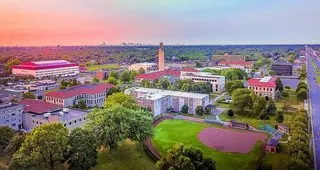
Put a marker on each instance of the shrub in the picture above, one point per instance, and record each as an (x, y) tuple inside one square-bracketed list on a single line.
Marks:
[(287, 87), (230, 113)]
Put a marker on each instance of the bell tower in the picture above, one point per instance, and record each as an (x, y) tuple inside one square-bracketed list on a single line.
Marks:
[(161, 57)]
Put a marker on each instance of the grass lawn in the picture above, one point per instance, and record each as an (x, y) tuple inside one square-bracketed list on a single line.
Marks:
[(127, 156), (278, 160), (105, 66), (170, 132)]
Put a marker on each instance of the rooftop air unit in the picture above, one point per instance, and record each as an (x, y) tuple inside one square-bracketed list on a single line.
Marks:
[(66, 110), (61, 113), (46, 115)]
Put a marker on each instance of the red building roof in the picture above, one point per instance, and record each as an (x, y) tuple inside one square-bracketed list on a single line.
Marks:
[(42, 65), (38, 106), (82, 89), (260, 83), (241, 63), (158, 74), (189, 69)]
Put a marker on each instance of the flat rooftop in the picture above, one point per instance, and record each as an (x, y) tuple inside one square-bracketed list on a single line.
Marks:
[(70, 115), (154, 94)]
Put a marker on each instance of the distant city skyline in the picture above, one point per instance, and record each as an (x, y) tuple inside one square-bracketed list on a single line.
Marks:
[(189, 22)]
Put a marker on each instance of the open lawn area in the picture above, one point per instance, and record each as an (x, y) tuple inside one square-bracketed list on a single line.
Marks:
[(277, 161), (105, 66), (170, 132), (127, 156)]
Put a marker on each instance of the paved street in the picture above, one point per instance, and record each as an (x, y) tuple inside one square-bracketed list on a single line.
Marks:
[(315, 106)]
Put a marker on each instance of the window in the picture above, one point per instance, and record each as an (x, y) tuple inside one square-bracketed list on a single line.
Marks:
[(75, 121), (13, 114), (37, 122), (84, 118), (80, 120), (69, 123), (32, 121), (64, 125), (14, 124), (40, 123)]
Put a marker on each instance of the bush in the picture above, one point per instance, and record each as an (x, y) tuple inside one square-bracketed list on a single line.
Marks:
[(280, 117), (184, 109), (302, 94), (230, 113), (285, 93), (287, 87)]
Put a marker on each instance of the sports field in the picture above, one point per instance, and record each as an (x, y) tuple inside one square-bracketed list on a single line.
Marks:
[(105, 66), (170, 132)]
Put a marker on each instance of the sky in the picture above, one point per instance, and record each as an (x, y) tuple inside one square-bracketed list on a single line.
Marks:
[(193, 22)]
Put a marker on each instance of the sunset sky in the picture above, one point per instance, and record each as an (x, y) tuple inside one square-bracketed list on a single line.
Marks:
[(91, 22)]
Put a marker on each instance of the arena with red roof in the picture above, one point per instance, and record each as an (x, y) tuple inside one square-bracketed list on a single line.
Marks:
[(265, 86), (158, 75), (92, 94), (46, 68)]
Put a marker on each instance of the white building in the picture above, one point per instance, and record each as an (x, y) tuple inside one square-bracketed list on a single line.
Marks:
[(147, 67), (217, 82), (41, 85), (161, 100), (92, 94), (37, 113), (11, 115), (42, 69)]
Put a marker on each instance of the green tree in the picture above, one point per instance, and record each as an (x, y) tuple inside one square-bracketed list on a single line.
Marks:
[(185, 109), (285, 93), (234, 74), (82, 104), (146, 83), (186, 87), (302, 94), (14, 144), (113, 74), (12, 62), (271, 108), (95, 80), (28, 95), (199, 110), (271, 73), (182, 158), (120, 98), (125, 76), (280, 117), (113, 90), (301, 85), (279, 85), (287, 87), (6, 134), (233, 85), (163, 83), (241, 99), (44, 148), (141, 71), (112, 80), (83, 150), (259, 104), (133, 75)]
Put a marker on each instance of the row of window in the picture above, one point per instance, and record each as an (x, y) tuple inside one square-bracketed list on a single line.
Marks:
[(260, 88), (74, 121)]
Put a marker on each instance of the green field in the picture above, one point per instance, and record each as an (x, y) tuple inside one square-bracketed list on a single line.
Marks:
[(127, 156), (105, 66), (278, 161), (170, 132)]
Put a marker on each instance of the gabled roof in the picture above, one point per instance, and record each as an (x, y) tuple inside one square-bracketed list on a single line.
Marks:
[(38, 106), (273, 142), (158, 74), (257, 82), (82, 89)]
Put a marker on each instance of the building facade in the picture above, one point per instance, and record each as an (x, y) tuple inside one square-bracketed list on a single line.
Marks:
[(11, 115), (92, 94), (101, 75), (43, 69), (147, 67), (217, 82), (41, 85), (37, 113), (228, 58), (171, 75), (282, 68), (160, 101), (265, 87), (234, 64)]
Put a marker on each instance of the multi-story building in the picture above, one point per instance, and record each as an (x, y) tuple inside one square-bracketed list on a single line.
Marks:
[(92, 94), (101, 75), (41, 85), (11, 115), (161, 100), (42, 69), (147, 67), (265, 86), (171, 75), (235, 64), (217, 82), (282, 68), (161, 57), (228, 58), (38, 112)]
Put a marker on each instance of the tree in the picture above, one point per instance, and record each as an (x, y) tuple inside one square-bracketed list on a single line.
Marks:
[(83, 150), (44, 148), (279, 85), (28, 95), (133, 75), (113, 90), (6, 134), (280, 117), (234, 74), (141, 71), (271, 73), (112, 80), (14, 144), (186, 87), (82, 104), (67, 57), (259, 104), (301, 85), (163, 83), (271, 108), (241, 99), (120, 98), (12, 62), (199, 110), (285, 93), (182, 158), (125, 76), (185, 109), (302, 94), (233, 85), (230, 113), (95, 80), (113, 74)]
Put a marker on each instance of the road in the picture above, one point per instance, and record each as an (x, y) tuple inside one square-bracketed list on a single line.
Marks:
[(314, 97)]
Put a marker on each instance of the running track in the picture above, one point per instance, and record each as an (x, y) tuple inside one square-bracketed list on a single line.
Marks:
[(314, 96)]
